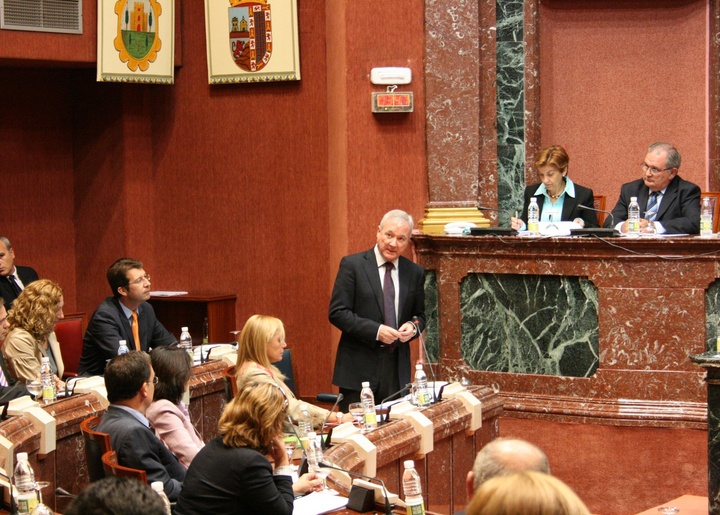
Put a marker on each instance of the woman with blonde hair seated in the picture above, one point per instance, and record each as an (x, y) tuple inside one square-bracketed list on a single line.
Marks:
[(262, 343), (529, 493), (32, 331), (245, 470)]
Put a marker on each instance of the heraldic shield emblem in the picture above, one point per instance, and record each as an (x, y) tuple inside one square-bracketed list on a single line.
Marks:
[(137, 39), (250, 27)]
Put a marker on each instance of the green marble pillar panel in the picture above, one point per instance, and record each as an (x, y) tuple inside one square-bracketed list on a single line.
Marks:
[(432, 335), (532, 324)]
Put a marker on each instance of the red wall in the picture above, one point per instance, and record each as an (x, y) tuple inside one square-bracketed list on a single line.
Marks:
[(216, 188)]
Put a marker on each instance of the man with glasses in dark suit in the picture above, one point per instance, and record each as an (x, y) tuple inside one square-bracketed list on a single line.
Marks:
[(125, 316), (668, 204)]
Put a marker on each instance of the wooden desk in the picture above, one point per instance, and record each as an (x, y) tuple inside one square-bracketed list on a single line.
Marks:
[(190, 310)]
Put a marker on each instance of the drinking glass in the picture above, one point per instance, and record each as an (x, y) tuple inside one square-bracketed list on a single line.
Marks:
[(464, 373), (668, 510), (322, 473), (34, 386), (41, 509), (290, 449), (356, 410)]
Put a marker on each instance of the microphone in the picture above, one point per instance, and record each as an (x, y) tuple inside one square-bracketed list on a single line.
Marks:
[(416, 322), (596, 231), (390, 397), (327, 397), (61, 492), (367, 478), (303, 468)]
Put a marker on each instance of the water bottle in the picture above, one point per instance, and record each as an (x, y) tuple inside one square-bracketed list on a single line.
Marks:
[(157, 486), (533, 216), (422, 395), (49, 394), (634, 216), (24, 478), (206, 332), (305, 427), (368, 401), (122, 348), (706, 218), (314, 450), (412, 488), (186, 341)]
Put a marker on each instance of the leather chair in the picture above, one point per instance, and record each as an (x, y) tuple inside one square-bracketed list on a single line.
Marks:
[(599, 203), (230, 383), (69, 332), (113, 468), (96, 444)]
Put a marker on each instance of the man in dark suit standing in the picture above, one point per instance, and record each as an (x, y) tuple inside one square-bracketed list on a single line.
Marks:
[(668, 204), (13, 279), (378, 302), (125, 316), (130, 382)]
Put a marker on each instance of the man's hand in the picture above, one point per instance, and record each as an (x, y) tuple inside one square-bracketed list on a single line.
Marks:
[(407, 331), (388, 335)]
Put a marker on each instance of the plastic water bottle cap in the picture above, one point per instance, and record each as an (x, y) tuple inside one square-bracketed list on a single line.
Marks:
[(312, 435), (21, 456), (409, 464), (184, 329), (418, 366), (157, 486), (366, 384), (45, 359)]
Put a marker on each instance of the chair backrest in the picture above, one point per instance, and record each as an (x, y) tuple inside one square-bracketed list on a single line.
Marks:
[(69, 332), (230, 383), (113, 468), (96, 444), (599, 203), (715, 202), (285, 366)]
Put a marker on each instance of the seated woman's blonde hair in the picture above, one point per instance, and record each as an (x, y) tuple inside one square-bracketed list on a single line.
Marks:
[(253, 342), (529, 493), (36, 307), (254, 417)]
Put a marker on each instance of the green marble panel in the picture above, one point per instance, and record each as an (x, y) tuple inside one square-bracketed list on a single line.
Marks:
[(712, 315), (432, 334), (532, 324)]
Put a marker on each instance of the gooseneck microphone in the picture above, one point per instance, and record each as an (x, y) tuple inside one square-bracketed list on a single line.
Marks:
[(367, 478), (596, 231), (416, 322), (612, 218), (386, 419), (327, 397)]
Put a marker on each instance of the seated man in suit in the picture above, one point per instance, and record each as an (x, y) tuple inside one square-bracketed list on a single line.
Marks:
[(501, 457), (130, 382), (668, 204), (13, 279), (9, 387), (125, 316)]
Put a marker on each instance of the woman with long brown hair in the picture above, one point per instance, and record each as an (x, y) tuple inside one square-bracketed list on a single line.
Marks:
[(245, 470)]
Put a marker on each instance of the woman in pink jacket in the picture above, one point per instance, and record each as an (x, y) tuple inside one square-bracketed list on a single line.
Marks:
[(168, 414)]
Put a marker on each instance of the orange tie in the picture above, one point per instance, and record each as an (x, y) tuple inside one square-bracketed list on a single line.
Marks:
[(135, 330)]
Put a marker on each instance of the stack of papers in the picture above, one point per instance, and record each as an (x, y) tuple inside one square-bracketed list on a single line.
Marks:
[(317, 503)]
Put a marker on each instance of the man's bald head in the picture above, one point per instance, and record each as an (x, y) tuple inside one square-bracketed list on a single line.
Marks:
[(505, 456)]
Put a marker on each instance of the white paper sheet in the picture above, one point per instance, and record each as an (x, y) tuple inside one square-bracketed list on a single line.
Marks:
[(317, 503)]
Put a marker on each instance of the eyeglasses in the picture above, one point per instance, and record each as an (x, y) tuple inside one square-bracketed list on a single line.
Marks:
[(651, 169), (140, 280), (154, 380)]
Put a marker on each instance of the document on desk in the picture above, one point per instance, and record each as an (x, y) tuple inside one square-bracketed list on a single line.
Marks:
[(317, 503), (161, 293)]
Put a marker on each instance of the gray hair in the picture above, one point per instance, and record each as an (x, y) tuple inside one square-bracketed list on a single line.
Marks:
[(504, 456), (397, 214), (673, 156), (6, 242)]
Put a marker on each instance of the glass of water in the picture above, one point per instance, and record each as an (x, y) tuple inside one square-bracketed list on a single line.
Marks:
[(356, 410), (34, 386)]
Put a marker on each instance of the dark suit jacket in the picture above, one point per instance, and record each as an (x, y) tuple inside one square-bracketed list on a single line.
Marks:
[(233, 480), (109, 325), (14, 389), (679, 210), (137, 447), (356, 308), (583, 196), (26, 274)]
